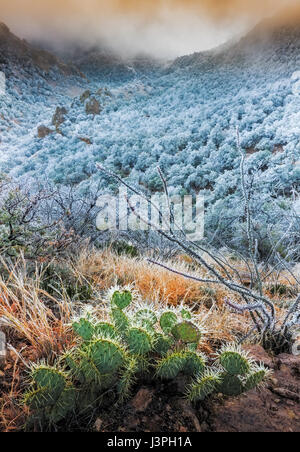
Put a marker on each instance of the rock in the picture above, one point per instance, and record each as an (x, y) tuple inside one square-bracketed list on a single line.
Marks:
[(258, 353), (188, 411), (291, 361), (44, 131), (103, 91), (85, 140), (2, 349), (142, 399), (92, 107), (59, 116), (85, 95), (98, 425), (286, 394), (273, 381)]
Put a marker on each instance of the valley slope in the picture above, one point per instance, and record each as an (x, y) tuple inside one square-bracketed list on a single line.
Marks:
[(181, 116)]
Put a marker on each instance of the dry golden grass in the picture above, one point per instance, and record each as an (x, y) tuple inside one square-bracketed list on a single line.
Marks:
[(154, 284), (33, 332), (25, 311)]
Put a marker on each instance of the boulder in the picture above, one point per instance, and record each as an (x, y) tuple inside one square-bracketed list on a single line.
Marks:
[(59, 116), (85, 95), (92, 107), (142, 400), (44, 131)]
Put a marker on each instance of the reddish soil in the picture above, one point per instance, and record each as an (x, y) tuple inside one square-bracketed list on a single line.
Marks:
[(158, 408), (275, 408)]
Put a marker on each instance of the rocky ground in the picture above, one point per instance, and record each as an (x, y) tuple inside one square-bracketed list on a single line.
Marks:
[(275, 408)]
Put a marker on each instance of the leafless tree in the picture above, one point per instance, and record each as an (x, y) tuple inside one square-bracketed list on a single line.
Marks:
[(216, 268)]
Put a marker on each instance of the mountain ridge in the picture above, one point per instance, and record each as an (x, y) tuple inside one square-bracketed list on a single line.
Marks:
[(20, 52)]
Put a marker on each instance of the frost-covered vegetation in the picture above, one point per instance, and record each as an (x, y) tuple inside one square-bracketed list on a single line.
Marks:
[(181, 117)]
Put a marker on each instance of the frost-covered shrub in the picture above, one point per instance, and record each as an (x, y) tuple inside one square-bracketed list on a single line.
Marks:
[(182, 118)]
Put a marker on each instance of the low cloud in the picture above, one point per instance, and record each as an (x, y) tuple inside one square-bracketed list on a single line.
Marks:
[(164, 28)]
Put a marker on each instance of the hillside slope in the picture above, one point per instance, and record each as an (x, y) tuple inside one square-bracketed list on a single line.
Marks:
[(182, 117), (18, 52)]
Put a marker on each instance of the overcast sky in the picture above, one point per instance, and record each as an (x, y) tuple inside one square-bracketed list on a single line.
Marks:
[(164, 28)]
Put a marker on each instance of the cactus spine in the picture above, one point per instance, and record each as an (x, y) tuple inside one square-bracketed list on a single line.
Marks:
[(51, 395), (167, 321), (204, 385), (240, 374), (139, 339), (186, 332)]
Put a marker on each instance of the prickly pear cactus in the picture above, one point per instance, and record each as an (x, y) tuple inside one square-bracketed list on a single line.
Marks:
[(240, 373), (231, 385), (110, 357), (146, 317), (51, 394), (167, 321), (163, 343), (127, 379), (205, 384), (106, 329), (234, 360), (170, 366), (84, 328), (121, 300), (120, 320), (186, 314), (256, 377), (106, 355), (139, 341), (186, 332), (194, 364), (50, 378)]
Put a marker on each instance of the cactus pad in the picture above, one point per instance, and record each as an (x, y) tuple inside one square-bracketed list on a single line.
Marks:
[(65, 404), (167, 321), (84, 329), (106, 355), (139, 341), (146, 316), (204, 385), (194, 363), (170, 366), (185, 314), (231, 385), (106, 329), (234, 363), (163, 343), (50, 378), (121, 299), (120, 320), (186, 332), (256, 377)]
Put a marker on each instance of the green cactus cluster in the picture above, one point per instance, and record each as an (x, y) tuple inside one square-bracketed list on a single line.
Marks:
[(52, 395), (239, 373), (110, 356)]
